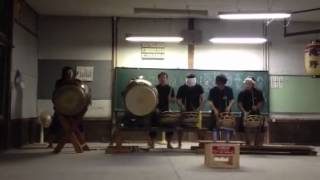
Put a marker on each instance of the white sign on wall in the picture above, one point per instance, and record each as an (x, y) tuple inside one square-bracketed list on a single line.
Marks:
[(152, 51), (277, 82), (85, 73)]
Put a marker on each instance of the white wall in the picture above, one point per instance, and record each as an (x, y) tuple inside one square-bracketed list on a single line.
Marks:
[(287, 53), (24, 59), (79, 38), (76, 38), (229, 57), (129, 53)]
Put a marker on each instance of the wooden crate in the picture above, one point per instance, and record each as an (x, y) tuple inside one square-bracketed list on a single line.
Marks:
[(222, 155)]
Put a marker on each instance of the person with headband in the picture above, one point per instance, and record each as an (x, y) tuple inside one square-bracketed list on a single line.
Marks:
[(250, 100), (220, 99), (190, 95)]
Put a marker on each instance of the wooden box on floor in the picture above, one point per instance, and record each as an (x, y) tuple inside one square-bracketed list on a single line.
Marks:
[(222, 155)]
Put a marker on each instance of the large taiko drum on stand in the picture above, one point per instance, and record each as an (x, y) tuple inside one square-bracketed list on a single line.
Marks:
[(71, 99), (140, 98)]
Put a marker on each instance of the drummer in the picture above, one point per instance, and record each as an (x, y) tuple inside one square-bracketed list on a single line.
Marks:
[(68, 77), (55, 128), (220, 99), (190, 95), (250, 100), (165, 96)]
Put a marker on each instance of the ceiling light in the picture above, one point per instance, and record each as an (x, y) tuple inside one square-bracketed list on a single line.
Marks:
[(169, 39), (159, 11), (256, 40), (253, 16)]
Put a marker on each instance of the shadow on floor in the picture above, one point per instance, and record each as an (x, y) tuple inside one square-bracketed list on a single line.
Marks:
[(19, 156)]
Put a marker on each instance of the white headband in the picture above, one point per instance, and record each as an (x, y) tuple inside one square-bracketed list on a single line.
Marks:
[(249, 79)]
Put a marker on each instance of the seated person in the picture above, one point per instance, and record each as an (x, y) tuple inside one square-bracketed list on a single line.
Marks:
[(165, 95)]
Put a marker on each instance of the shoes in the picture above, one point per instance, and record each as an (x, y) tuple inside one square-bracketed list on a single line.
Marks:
[(85, 147), (151, 144), (169, 146), (50, 146)]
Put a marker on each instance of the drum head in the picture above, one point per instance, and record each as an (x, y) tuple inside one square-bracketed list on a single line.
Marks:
[(69, 100), (141, 100)]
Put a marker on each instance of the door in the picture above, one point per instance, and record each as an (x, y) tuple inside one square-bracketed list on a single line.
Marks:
[(5, 59)]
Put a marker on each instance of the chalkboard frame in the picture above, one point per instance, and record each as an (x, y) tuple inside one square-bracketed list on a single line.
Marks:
[(117, 91)]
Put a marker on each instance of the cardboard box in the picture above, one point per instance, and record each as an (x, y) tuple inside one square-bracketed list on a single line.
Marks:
[(222, 155)]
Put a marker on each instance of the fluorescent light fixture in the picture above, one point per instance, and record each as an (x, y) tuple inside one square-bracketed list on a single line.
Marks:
[(253, 16), (169, 39), (256, 40)]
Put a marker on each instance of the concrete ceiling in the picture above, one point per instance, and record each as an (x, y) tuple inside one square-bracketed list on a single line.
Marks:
[(125, 8)]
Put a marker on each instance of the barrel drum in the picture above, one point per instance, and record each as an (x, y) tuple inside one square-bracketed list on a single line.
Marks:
[(253, 121), (226, 120)]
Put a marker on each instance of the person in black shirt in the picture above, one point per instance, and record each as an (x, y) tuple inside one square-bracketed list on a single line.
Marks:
[(190, 95), (250, 100), (165, 96), (220, 99), (165, 92)]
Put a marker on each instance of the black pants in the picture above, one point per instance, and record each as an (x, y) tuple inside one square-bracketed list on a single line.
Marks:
[(241, 127), (155, 123), (212, 124)]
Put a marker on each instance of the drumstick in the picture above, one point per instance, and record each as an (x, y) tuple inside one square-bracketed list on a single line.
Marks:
[(252, 98), (226, 103), (169, 98)]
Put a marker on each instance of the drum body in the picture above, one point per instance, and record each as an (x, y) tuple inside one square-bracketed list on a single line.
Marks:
[(191, 119), (140, 98), (71, 99), (169, 118), (253, 121), (226, 120)]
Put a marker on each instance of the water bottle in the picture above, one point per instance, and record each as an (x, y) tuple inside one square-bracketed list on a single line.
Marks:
[(214, 135)]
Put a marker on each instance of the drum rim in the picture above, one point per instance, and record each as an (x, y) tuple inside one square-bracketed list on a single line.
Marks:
[(135, 83)]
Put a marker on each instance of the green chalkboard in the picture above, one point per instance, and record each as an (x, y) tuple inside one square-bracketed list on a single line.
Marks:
[(205, 78), (297, 94)]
